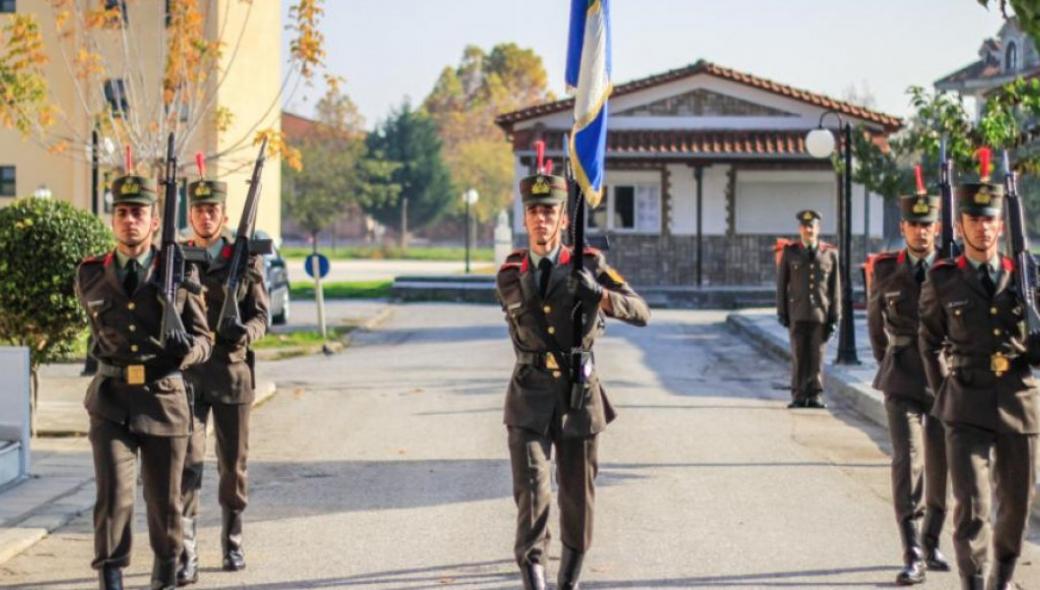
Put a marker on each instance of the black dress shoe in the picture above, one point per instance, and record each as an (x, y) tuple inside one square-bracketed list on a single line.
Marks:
[(188, 573), (234, 561), (570, 569), (533, 575), (815, 402), (912, 574), (936, 561), (110, 578), (798, 403)]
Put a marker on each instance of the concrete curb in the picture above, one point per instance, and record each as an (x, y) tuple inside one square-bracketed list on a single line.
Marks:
[(861, 398), (25, 531)]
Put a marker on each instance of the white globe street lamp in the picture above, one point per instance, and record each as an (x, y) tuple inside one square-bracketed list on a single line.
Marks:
[(820, 143)]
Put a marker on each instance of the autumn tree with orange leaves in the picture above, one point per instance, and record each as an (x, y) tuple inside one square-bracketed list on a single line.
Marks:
[(99, 41)]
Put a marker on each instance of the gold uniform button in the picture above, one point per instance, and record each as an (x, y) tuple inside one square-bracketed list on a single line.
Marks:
[(547, 309), (133, 328), (993, 311), (552, 330), (556, 374), (957, 312), (95, 314), (130, 306), (133, 348), (996, 331)]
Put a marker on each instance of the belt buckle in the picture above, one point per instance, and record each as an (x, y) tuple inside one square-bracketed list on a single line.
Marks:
[(550, 362), (135, 375), (999, 364)]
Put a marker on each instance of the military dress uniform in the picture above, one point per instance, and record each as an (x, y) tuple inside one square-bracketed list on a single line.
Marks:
[(808, 300), (537, 296), (986, 397), (224, 388), (137, 402), (918, 440)]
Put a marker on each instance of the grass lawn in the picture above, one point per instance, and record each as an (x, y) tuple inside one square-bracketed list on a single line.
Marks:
[(303, 339), (433, 253), (342, 290)]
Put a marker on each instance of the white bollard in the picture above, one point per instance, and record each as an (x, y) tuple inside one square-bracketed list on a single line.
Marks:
[(503, 238)]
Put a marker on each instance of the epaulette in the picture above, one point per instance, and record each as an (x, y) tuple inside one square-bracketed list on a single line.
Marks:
[(944, 262), (824, 247), (1007, 263), (886, 256), (514, 260), (590, 251), (98, 259)]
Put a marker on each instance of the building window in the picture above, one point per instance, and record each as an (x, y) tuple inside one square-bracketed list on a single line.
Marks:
[(1011, 58), (119, 5), (115, 94), (8, 6), (8, 187), (631, 208)]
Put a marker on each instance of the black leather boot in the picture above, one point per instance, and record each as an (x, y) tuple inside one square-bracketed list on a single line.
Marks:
[(110, 578), (231, 541), (164, 574), (533, 575), (570, 568), (972, 582), (1003, 572), (188, 566), (913, 557), (933, 558)]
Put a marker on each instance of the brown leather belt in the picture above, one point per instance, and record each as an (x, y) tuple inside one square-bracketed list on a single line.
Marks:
[(136, 374), (997, 363)]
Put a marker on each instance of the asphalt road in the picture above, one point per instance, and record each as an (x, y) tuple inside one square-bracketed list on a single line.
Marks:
[(382, 270), (386, 467)]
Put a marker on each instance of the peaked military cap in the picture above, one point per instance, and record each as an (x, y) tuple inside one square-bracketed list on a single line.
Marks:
[(543, 189), (808, 217), (919, 208), (132, 189), (202, 192), (983, 199)]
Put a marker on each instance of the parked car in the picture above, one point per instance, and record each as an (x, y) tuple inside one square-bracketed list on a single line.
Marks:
[(276, 279)]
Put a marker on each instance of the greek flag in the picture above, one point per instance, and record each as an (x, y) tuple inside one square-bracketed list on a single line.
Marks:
[(588, 77)]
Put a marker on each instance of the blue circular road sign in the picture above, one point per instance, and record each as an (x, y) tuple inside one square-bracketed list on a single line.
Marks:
[(322, 263)]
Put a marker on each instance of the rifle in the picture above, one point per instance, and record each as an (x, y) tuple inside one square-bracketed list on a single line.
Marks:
[(947, 246), (171, 255), (244, 244), (580, 358), (1026, 277)]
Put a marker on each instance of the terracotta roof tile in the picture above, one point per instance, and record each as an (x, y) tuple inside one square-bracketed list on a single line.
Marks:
[(692, 142), (891, 123)]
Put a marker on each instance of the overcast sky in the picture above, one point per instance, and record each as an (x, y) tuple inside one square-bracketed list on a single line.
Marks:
[(388, 50)]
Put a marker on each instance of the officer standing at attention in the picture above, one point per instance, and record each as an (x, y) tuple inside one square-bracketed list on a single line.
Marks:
[(973, 343), (137, 402), (808, 298), (537, 294), (224, 385), (918, 440)]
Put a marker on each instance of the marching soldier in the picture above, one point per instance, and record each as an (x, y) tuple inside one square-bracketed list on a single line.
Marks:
[(808, 298), (537, 294), (224, 385), (137, 402), (918, 440), (986, 394)]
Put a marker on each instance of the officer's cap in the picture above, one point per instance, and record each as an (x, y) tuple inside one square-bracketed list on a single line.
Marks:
[(202, 192), (132, 189), (808, 217), (919, 208), (543, 189), (980, 199)]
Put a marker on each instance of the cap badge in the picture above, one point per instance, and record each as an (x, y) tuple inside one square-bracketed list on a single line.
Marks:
[(921, 207), (540, 187)]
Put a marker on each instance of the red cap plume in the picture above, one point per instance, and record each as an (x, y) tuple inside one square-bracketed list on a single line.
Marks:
[(549, 167), (128, 160), (539, 148), (921, 190), (984, 157), (200, 163)]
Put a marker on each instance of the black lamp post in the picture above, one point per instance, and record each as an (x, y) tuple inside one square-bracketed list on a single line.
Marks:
[(820, 143)]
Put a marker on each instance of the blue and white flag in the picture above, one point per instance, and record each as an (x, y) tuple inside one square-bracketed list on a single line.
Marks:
[(588, 76)]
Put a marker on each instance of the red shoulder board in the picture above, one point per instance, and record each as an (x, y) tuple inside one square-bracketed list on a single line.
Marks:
[(886, 255), (962, 261), (225, 252), (516, 259), (93, 259), (824, 246), (1008, 264), (565, 256), (939, 262), (508, 265), (778, 248), (901, 258), (590, 251)]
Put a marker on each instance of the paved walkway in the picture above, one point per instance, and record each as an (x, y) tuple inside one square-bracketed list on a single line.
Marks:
[(384, 270)]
